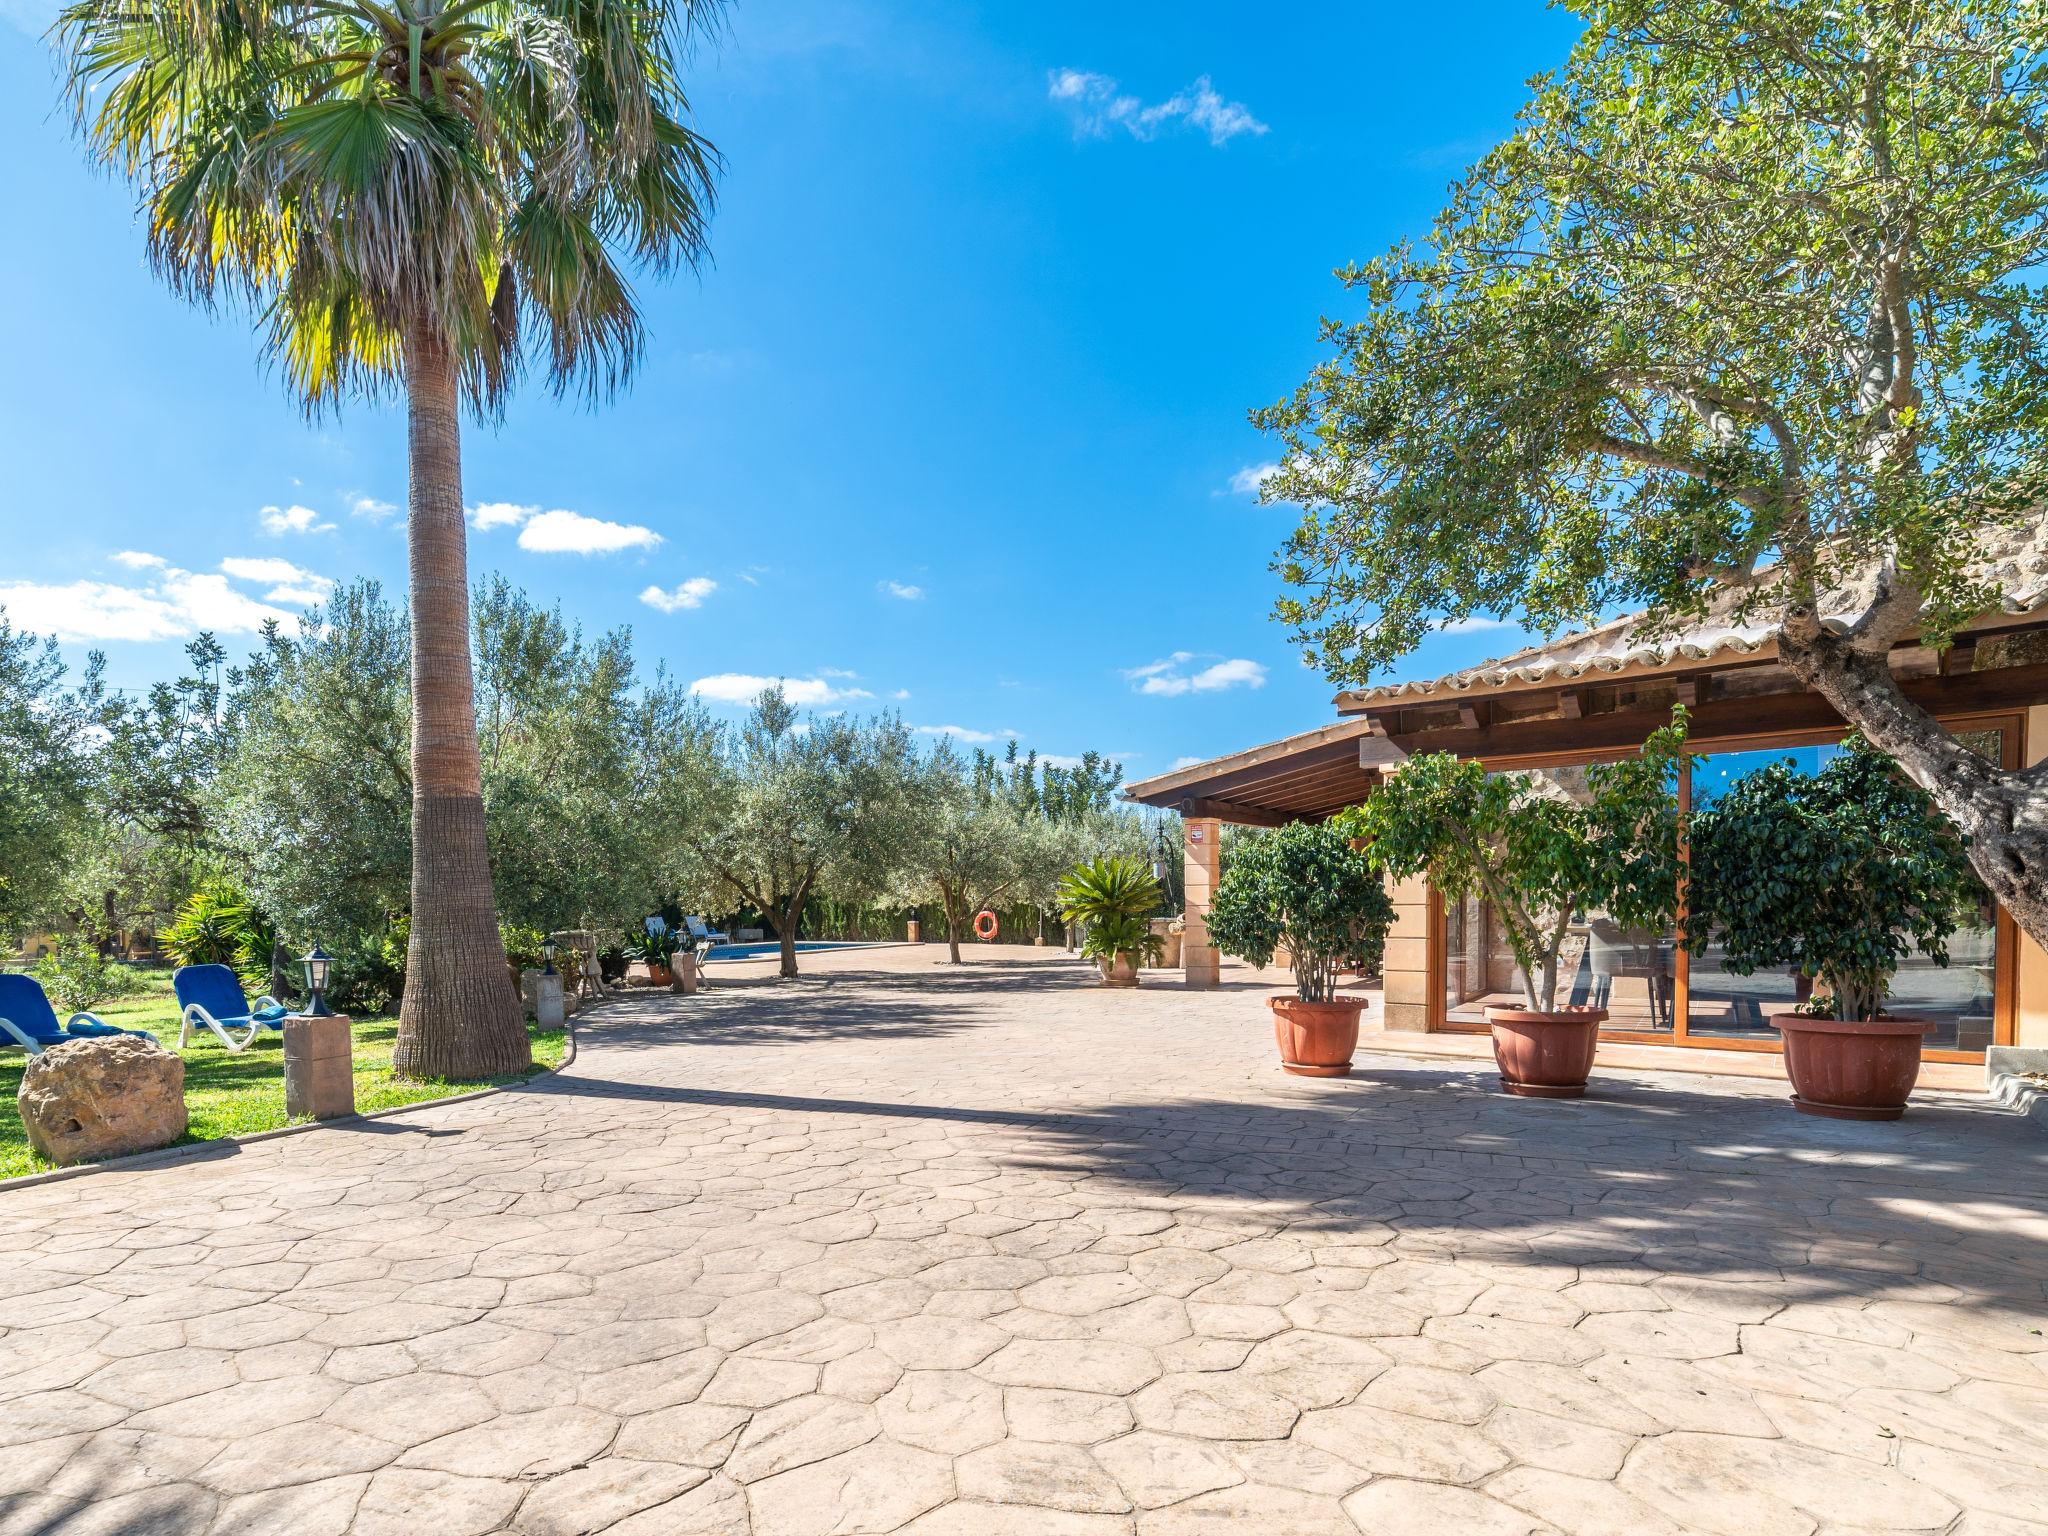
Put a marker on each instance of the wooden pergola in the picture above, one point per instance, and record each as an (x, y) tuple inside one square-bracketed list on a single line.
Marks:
[(1599, 693)]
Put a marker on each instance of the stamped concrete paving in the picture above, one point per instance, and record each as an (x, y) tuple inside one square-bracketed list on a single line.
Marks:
[(991, 1251)]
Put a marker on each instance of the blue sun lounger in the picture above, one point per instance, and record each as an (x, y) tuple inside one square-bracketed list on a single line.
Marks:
[(702, 938), (211, 997), (28, 1020)]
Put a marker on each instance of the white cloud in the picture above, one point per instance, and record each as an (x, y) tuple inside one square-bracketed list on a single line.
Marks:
[(1059, 760), (560, 532), (1249, 480), (288, 583), (279, 521), (1172, 677), (91, 610), (745, 687), (690, 594), (571, 533), (176, 604), (965, 733), (1184, 762), (369, 506), (136, 560), (900, 694), (499, 514), (1478, 623), (908, 593), (1097, 106), (272, 570)]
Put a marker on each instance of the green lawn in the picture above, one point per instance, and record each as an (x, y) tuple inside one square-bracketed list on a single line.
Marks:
[(233, 1095)]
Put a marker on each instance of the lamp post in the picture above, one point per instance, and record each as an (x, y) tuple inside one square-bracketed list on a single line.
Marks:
[(548, 946), (317, 963)]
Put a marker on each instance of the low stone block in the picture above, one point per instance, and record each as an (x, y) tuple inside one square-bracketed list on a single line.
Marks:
[(319, 1067), (91, 1099)]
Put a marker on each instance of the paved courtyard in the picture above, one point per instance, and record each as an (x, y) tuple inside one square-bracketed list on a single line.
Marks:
[(990, 1251)]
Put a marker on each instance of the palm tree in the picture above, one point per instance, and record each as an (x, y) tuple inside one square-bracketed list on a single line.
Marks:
[(402, 193)]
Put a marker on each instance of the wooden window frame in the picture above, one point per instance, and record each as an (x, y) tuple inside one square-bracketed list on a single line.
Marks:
[(2005, 943)]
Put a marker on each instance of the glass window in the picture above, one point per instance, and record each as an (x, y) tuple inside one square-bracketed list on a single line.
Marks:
[(1633, 975), (1957, 998)]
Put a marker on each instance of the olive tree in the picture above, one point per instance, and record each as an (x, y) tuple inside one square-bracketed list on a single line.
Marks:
[(973, 847), (1748, 308), (46, 774), (788, 807), (1538, 858)]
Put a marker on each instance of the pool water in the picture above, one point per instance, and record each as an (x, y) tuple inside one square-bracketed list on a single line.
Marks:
[(756, 951)]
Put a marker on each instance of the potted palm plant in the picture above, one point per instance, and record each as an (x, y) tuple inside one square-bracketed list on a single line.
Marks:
[(1305, 889), (655, 949), (1838, 875), (1541, 859), (1113, 897)]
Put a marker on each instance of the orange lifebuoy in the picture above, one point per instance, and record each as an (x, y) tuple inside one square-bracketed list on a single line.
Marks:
[(984, 924)]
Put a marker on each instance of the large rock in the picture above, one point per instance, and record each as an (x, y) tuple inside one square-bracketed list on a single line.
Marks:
[(90, 1099)]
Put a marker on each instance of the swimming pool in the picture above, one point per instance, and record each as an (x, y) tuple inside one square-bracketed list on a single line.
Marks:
[(804, 946)]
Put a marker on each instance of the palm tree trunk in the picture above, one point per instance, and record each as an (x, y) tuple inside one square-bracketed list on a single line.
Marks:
[(459, 1018)]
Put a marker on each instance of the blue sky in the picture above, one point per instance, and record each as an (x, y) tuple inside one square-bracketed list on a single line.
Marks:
[(953, 423)]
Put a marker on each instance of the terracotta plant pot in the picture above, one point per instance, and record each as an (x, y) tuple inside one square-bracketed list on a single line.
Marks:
[(1120, 972), (660, 976), (1861, 1070), (1545, 1055), (1316, 1039)]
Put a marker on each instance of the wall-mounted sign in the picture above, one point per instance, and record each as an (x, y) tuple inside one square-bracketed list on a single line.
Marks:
[(1196, 834)]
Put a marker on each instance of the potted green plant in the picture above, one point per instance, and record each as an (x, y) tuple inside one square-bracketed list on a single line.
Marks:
[(656, 951), (1541, 858), (1838, 875), (1113, 897), (1304, 888)]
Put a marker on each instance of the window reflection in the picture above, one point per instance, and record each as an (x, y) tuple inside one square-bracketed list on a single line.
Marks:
[(1956, 998), (1630, 973)]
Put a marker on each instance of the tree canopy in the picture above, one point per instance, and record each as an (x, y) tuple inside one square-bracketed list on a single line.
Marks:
[(46, 773), (1540, 857), (1749, 302)]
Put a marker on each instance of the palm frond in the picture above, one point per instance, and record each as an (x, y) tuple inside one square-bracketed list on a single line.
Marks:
[(351, 168)]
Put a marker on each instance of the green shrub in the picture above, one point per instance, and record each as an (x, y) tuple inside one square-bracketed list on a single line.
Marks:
[(522, 945), (369, 970), (655, 950), (1839, 875), (78, 977), (1304, 887), (218, 926), (1122, 934)]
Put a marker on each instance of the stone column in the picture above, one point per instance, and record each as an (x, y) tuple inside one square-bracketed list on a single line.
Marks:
[(1204, 845), (319, 1067), (1405, 973)]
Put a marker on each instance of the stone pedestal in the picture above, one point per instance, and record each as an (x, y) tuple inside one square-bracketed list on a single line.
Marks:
[(547, 1001), (912, 931), (319, 1067), (686, 980)]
